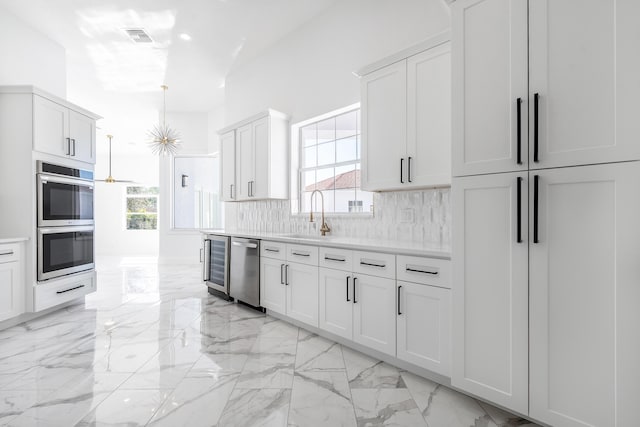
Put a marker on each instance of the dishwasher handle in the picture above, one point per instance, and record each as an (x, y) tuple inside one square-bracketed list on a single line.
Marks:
[(245, 245)]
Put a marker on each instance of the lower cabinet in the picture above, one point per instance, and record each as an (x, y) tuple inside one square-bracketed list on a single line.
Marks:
[(272, 288), (424, 326), (336, 303), (11, 281), (374, 315)]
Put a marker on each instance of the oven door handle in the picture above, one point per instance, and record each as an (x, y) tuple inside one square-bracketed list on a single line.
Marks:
[(43, 178), (58, 230)]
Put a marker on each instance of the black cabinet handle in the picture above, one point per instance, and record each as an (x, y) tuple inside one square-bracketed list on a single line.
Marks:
[(70, 289), (281, 274), (519, 128), (74, 147), (372, 264), (519, 210), (286, 275), (299, 254), (272, 250), (402, 171), (348, 277), (68, 146), (409, 169), (535, 208), (399, 312), (536, 101), (328, 258), (354, 290)]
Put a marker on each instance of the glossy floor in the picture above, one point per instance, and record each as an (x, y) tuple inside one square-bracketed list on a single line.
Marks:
[(153, 348)]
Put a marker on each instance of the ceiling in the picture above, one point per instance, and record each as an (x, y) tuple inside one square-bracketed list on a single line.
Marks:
[(108, 73)]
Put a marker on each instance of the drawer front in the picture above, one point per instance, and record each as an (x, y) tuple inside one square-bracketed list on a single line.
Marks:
[(426, 271), (9, 252), (338, 259), (302, 254), (51, 294), (374, 264), (274, 250)]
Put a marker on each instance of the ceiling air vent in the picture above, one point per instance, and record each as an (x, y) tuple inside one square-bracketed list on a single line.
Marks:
[(138, 35)]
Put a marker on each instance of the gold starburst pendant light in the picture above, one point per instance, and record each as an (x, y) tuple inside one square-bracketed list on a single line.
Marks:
[(163, 139)]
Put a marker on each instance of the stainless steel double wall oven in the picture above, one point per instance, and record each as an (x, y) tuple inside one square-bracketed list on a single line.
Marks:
[(65, 220)]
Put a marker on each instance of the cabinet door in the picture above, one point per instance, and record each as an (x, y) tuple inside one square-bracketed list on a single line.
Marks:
[(489, 63), (82, 131), (11, 290), (245, 162), (302, 293), (429, 117), (584, 65), (424, 329), (336, 302), (50, 127), (260, 186), (384, 127), (228, 166), (374, 313), (490, 289), (584, 287), (272, 287)]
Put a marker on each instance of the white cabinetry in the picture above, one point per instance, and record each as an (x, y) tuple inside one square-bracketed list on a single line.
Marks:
[(406, 120), (61, 131), (302, 292), (272, 288), (336, 306), (12, 285), (374, 316), (259, 168)]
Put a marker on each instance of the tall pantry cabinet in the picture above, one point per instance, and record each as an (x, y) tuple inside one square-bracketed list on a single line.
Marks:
[(546, 201)]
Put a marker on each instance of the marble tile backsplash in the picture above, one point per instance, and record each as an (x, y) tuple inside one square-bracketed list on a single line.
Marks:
[(412, 216)]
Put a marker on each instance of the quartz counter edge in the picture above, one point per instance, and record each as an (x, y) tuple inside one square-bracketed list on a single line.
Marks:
[(387, 246), (13, 239)]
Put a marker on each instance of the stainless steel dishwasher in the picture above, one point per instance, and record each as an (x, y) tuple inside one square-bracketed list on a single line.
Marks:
[(245, 271)]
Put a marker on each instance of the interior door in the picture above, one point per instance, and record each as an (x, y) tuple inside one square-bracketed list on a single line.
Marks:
[(374, 315), (245, 161), (490, 288), (228, 187), (584, 294), (336, 302), (82, 131), (584, 68), (489, 64)]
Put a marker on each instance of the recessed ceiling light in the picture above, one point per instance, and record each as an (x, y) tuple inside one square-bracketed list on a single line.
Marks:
[(185, 36)]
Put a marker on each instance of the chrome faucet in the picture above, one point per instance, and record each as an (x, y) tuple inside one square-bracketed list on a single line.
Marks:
[(324, 229)]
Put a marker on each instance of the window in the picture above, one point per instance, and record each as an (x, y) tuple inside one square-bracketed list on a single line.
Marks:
[(330, 162), (142, 208)]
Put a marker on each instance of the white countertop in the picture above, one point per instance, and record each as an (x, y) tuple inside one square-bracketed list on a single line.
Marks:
[(375, 245), (13, 239)]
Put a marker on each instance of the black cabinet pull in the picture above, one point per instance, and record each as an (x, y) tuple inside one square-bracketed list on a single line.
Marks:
[(286, 275), (354, 290), (409, 169), (399, 312), (535, 208), (328, 258), (372, 264), (348, 277), (74, 147), (272, 250), (299, 254), (70, 289), (68, 146), (519, 129), (536, 100), (402, 171), (519, 210), (281, 274)]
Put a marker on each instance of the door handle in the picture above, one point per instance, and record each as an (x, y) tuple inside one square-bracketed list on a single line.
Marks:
[(286, 275), (74, 147), (519, 128), (401, 171), (282, 274), (399, 312), (68, 146), (519, 210), (535, 208), (348, 277), (354, 290), (409, 169), (536, 101)]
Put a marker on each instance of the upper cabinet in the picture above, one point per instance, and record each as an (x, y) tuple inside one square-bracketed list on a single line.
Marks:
[(62, 131), (255, 156), (544, 84), (406, 119)]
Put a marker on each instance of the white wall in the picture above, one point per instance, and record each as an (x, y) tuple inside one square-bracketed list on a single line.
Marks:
[(309, 72), (30, 58), (179, 246)]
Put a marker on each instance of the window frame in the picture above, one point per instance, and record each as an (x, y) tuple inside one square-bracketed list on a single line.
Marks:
[(128, 196), (297, 170)]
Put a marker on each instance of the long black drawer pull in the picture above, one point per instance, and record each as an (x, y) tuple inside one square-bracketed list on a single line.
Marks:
[(348, 277), (519, 128), (298, 254), (399, 312), (402, 171), (519, 210), (69, 290), (328, 258), (7, 252), (272, 250), (536, 101), (414, 270), (354, 290), (535, 208), (372, 265)]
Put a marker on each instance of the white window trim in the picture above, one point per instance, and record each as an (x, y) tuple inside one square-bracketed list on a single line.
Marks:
[(296, 174)]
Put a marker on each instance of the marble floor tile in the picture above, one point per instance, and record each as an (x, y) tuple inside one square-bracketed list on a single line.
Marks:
[(256, 408), (321, 398), (14, 403), (276, 328), (366, 372), (126, 407), (267, 371), (386, 407), (213, 364), (315, 353)]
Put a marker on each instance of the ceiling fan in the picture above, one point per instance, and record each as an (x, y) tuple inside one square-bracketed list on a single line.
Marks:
[(110, 179)]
